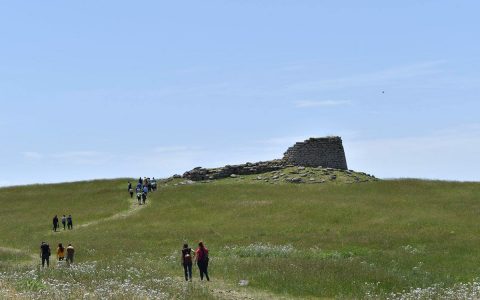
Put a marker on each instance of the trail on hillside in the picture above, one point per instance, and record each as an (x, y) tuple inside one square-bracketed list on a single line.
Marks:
[(11, 250), (16, 251), (134, 208), (223, 290)]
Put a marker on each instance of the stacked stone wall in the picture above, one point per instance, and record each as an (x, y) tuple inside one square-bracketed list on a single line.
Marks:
[(227, 171), (326, 152)]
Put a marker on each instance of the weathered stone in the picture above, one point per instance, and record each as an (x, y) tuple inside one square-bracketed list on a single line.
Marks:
[(296, 180)]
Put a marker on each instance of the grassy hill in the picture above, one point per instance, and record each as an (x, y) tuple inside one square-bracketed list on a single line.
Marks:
[(331, 238)]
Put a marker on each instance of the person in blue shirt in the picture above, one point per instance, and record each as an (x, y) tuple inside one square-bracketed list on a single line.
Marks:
[(144, 195)]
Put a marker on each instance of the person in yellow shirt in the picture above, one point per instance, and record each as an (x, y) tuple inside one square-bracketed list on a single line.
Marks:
[(60, 252)]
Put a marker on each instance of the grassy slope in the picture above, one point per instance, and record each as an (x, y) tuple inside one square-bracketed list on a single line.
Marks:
[(301, 240)]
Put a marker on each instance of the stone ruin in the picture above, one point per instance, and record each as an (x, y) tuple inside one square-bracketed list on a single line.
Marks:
[(326, 152)]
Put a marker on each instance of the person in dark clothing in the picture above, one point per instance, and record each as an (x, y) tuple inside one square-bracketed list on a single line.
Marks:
[(45, 254), (149, 185), (154, 184), (129, 186), (69, 222), (187, 261), (70, 253), (201, 257), (64, 221), (131, 192), (55, 223), (139, 196)]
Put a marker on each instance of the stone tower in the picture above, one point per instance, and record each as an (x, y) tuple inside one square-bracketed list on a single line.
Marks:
[(326, 152)]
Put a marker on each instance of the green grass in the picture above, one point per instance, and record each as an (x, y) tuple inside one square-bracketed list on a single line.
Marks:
[(330, 239)]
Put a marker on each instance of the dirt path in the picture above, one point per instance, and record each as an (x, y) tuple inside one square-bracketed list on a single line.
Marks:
[(222, 290), (16, 251), (133, 208)]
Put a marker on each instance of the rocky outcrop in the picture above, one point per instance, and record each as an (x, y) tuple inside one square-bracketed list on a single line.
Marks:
[(231, 171)]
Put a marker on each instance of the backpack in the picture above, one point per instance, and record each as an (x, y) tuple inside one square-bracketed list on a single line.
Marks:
[(204, 255), (187, 256)]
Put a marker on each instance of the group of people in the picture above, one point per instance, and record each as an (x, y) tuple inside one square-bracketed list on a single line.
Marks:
[(45, 253), (201, 259), (66, 221), (144, 186)]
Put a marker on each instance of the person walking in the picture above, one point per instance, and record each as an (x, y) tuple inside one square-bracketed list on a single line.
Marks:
[(45, 254), (131, 192), (201, 257), (129, 186), (144, 194), (69, 222), (145, 189), (70, 253), (139, 196), (55, 223), (60, 252), (64, 221), (187, 261)]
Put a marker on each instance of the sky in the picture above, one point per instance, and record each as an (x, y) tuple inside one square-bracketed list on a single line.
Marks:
[(108, 89)]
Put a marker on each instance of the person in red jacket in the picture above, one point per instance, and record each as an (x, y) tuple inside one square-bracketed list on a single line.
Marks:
[(201, 257)]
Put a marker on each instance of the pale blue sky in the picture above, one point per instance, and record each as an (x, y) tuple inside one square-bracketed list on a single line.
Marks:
[(104, 89)]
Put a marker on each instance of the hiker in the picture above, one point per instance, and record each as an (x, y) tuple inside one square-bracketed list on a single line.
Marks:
[(64, 221), (201, 257), (149, 185), (131, 192), (70, 253), (144, 197), (154, 184), (69, 222), (139, 196), (60, 252), (55, 223), (129, 186), (187, 261), (45, 254)]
